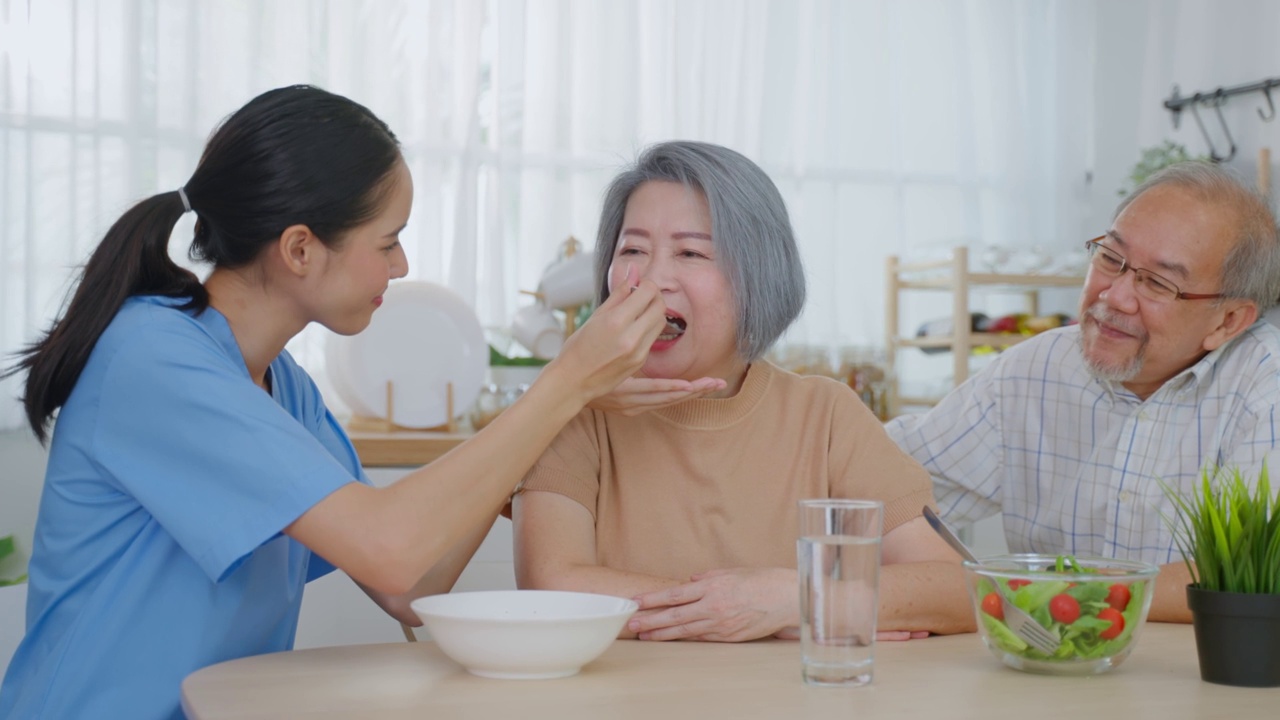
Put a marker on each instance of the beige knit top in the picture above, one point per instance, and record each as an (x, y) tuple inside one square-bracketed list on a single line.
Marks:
[(713, 483)]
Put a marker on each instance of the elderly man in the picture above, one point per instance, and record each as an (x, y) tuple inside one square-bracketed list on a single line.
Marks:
[(1169, 371)]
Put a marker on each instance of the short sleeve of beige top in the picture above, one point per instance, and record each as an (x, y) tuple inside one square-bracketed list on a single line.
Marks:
[(713, 483)]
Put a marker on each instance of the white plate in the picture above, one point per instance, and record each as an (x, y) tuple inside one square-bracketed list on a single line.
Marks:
[(422, 338), (335, 367)]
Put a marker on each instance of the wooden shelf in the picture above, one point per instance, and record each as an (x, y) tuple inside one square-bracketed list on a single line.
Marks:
[(954, 276), (918, 400), (975, 340), (1010, 282)]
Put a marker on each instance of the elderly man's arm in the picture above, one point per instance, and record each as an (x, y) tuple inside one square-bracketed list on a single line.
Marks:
[(959, 443), (1169, 604)]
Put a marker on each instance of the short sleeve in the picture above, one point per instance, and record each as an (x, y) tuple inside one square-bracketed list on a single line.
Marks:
[(866, 464), (570, 466), (297, 392), (212, 457)]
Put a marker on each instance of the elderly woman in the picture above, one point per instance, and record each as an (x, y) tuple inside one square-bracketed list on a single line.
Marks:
[(691, 508)]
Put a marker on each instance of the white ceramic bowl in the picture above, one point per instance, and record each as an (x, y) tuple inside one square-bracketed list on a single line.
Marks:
[(523, 634)]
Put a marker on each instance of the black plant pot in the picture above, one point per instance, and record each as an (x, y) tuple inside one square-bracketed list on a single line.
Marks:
[(1237, 637)]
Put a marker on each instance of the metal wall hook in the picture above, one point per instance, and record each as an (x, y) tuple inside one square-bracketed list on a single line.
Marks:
[(1268, 116), (1174, 105), (1213, 152), (1219, 100), (1177, 102)]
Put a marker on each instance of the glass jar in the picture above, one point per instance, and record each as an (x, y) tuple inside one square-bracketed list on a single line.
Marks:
[(493, 399), (805, 360), (866, 370)]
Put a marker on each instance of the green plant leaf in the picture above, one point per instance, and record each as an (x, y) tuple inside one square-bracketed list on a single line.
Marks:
[(7, 548), (1156, 158), (498, 359), (1227, 529)]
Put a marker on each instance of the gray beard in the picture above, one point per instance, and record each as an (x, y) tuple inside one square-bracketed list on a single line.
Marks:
[(1116, 373), (1121, 373)]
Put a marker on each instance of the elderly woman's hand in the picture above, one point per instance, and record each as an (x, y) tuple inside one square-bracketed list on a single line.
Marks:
[(721, 606), (614, 342), (640, 394), (733, 605)]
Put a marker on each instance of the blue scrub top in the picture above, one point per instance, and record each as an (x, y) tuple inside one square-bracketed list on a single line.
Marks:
[(158, 546)]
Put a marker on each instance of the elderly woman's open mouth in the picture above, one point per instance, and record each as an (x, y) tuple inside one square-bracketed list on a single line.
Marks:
[(674, 329)]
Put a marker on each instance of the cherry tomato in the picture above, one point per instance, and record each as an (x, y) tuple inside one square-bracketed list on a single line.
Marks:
[(1118, 596), (1015, 584), (1064, 609), (992, 606), (1117, 623)]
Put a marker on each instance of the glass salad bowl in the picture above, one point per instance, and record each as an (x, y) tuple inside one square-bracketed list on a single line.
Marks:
[(1096, 607)]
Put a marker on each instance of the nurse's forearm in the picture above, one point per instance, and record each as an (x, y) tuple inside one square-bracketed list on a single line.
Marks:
[(439, 579), (388, 538)]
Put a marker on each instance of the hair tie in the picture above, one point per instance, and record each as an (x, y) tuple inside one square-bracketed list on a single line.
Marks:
[(186, 204)]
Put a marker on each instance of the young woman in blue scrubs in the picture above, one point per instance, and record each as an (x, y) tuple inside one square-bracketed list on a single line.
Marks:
[(196, 480)]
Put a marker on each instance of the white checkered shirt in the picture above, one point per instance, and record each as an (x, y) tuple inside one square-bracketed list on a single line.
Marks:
[(1073, 461)]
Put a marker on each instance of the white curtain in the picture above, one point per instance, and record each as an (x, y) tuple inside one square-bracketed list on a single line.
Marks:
[(891, 126), (902, 127), (107, 102)]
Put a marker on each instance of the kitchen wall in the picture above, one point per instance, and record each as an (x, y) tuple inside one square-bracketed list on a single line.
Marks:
[(22, 462), (1143, 49)]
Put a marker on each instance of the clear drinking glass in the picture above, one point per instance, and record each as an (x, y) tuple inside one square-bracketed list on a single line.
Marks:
[(838, 555)]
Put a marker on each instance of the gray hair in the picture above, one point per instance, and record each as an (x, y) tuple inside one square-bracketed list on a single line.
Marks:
[(1251, 269), (750, 230)]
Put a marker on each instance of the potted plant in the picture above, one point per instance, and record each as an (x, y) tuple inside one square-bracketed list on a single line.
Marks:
[(1156, 158), (1228, 530), (7, 549)]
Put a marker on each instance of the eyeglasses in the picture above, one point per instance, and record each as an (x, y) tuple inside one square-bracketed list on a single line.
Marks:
[(1149, 285)]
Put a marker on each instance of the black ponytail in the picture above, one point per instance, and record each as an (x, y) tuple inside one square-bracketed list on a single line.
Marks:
[(294, 155), (133, 259)]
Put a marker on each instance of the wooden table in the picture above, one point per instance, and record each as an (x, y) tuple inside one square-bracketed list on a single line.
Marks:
[(942, 677)]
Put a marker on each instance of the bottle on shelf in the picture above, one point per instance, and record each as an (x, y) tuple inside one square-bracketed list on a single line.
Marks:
[(1016, 323), (942, 327), (867, 372)]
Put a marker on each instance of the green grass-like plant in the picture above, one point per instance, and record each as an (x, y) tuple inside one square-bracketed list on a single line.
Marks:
[(1228, 531), (8, 548)]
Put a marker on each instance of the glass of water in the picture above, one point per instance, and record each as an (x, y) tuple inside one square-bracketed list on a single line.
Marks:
[(838, 555)]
